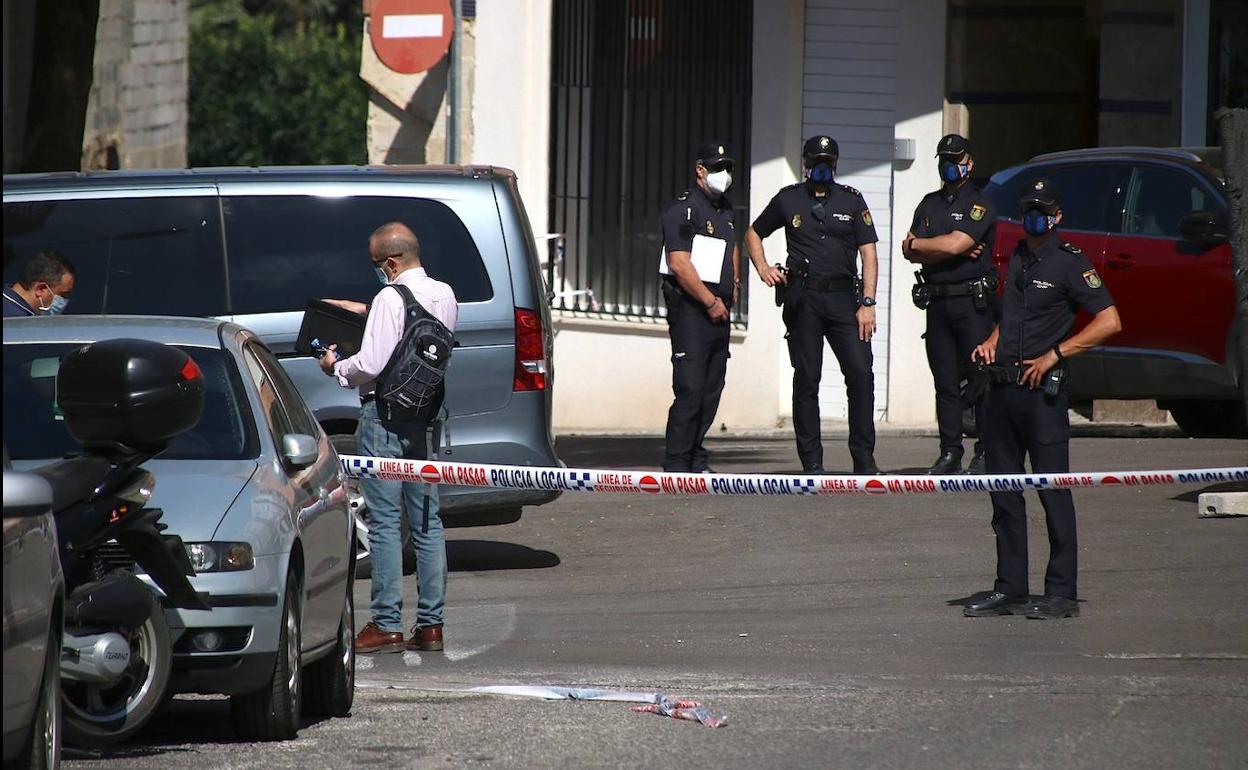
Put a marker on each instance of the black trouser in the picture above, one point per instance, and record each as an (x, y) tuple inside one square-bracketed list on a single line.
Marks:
[(811, 317), (699, 363), (954, 327), (1023, 421)]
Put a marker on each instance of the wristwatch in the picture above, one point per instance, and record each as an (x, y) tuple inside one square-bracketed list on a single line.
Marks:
[(868, 301)]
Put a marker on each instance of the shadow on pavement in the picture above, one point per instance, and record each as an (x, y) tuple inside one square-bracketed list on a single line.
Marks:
[(485, 555), (181, 721), (1193, 495)]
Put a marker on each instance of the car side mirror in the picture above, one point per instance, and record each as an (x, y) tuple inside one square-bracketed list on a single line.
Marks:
[(1203, 227), (299, 450), (26, 494)]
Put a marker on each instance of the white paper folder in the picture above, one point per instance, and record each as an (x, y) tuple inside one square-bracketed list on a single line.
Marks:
[(707, 256)]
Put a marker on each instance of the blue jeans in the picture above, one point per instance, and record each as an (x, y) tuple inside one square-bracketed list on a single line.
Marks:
[(386, 500)]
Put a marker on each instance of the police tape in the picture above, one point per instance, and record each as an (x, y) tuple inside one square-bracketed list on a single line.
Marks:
[(694, 484)]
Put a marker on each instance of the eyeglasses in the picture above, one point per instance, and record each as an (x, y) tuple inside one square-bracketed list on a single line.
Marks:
[(381, 262)]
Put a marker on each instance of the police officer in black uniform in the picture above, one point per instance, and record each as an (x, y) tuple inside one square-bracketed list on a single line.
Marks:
[(827, 226), (957, 288), (1049, 280), (700, 285)]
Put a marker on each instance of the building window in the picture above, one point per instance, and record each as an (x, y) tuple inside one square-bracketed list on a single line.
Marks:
[(636, 85)]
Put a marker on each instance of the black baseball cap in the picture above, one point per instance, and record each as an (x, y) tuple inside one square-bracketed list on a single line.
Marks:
[(712, 153), (820, 146), (1042, 193), (953, 146)]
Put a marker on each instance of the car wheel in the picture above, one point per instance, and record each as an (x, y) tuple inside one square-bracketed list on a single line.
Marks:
[(330, 686), (43, 750), (1210, 419), (272, 713), (98, 715), (344, 444)]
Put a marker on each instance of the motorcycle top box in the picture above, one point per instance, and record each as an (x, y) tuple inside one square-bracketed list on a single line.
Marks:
[(129, 392)]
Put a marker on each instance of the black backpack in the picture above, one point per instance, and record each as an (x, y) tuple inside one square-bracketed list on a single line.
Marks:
[(411, 385)]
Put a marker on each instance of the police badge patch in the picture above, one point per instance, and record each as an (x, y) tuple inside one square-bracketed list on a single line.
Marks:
[(866, 217), (977, 212), (1092, 279), (710, 227), (797, 221)]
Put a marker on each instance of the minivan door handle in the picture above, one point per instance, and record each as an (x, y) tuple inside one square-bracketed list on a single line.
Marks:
[(1121, 262)]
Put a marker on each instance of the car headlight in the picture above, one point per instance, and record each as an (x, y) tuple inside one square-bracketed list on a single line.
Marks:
[(220, 557)]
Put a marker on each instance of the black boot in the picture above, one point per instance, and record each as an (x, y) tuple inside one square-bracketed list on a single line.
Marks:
[(978, 465), (950, 461)]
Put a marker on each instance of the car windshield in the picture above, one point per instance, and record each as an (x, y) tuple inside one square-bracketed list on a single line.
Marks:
[(34, 427)]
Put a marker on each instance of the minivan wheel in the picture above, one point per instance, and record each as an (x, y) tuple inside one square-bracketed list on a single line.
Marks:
[(272, 713), (344, 444), (1210, 419)]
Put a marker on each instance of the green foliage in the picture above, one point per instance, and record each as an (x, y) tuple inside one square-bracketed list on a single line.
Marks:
[(267, 92)]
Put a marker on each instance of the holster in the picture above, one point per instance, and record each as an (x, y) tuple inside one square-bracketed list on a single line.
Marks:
[(671, 294), (920, 295)]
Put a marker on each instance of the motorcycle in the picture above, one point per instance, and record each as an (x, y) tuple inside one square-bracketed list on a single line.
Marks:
[(122, 400)]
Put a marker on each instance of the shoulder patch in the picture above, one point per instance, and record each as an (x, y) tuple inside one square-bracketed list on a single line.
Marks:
[(866, 217), (977, 212), (1092, 279), (1072, 248)]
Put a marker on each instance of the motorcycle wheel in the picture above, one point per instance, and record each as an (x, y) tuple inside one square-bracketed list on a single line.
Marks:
[(98, 715)]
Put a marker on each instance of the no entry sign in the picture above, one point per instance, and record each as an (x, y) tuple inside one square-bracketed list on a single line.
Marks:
[(411, 36)]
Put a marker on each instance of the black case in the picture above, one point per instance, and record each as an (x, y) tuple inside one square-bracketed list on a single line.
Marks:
[(136, 393), (332, 326)]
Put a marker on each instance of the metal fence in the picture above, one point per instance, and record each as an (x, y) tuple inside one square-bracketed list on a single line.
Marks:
[(636, 86)]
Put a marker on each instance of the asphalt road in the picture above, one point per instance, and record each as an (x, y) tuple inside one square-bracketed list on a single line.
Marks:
[(827, 630)]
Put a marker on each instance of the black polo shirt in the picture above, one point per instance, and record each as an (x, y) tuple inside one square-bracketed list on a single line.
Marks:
[(965, 209), (694, 212), (15, 306), (825, 228), (1043, 292)]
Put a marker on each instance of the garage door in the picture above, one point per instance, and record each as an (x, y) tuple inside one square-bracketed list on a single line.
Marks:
[(849, 93)]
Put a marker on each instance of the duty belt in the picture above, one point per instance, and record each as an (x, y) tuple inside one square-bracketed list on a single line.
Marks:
[(950, 289), (1008, 374), (815, 283)]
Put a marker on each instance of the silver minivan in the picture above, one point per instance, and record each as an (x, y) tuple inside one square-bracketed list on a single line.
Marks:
[(253, 245)]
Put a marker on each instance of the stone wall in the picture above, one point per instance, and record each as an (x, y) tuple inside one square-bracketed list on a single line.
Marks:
[(137, 114)]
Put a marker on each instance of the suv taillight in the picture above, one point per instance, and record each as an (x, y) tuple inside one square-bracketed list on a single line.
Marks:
[(530, 352)]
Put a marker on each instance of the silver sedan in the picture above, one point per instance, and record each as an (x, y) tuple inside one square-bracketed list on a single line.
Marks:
[(256, 492)]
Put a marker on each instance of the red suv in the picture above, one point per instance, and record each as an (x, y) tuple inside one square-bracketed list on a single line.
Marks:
[(1155, 223)]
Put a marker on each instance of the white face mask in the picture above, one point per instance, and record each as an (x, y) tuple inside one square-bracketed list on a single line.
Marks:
[(719, 181)]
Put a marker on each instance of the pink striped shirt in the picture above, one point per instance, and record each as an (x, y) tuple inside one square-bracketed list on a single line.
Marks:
[(384, 327)]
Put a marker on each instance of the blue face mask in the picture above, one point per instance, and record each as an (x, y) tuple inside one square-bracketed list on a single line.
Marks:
[(821, 173), (1036, 222), (381, 276), (58, 305), (954, 172)]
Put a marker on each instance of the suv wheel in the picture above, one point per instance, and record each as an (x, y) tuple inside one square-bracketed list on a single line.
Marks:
[(1210, 419)]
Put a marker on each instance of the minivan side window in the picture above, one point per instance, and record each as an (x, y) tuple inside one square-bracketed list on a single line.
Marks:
[(149, 256), (1091, 194), (1159, 198), (287, 249)]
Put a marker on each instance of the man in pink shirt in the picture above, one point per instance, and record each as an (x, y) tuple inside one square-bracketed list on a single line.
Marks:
[(395, 254)]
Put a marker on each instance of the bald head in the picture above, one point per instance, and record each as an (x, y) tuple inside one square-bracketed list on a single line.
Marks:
[(395, 240)]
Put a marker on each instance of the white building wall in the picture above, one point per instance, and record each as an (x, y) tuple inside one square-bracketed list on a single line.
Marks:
[(849, 92), (920, 105)]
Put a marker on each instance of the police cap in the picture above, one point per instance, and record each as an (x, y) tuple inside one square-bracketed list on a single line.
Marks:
[(1040, 193), (820, 147), (712, 153), (953, 146)]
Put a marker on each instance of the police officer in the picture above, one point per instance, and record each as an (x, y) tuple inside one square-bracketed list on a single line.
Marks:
[(700, 285), (1049, 280), (947, 237), (826, 226)]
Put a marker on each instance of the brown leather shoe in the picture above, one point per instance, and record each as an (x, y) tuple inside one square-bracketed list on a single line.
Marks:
[(427, 639), (373, 639)]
